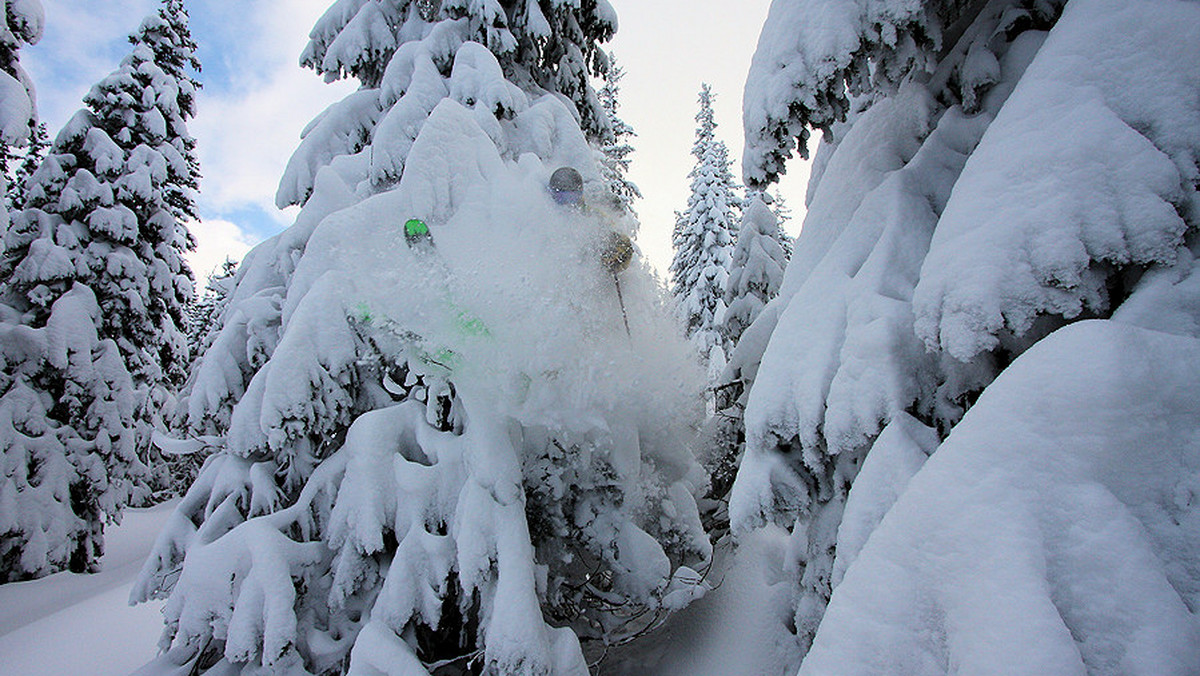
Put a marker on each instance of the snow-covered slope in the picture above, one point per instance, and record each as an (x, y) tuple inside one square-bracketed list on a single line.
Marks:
[(1054, 532), (71, 623)]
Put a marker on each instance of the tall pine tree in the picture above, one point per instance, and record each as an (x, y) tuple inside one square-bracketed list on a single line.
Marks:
[(204, 312), (703, 241), (755, 276), (23, 163), (615, 149), (756, 268), (430, 454), (100, 248)]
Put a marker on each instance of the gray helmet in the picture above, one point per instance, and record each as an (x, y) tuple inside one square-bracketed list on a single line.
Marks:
[(566, 179)]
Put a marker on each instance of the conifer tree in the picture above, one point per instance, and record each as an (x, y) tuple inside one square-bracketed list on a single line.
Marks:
[(413, 469), (703, 241), (756, 274), (21, 23), (25, 162), (99, 248), (67, 461), (615, 148), (123, 174), (756, 270), (783, 214), (204, 313)]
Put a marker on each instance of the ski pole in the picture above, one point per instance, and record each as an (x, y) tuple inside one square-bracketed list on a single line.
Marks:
[(621, 300)]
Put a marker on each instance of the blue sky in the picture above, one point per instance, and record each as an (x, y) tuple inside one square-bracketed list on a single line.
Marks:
[(256, 99)]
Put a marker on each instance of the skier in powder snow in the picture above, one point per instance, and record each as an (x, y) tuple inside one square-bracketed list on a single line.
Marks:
[(615, 250), (566, 188)]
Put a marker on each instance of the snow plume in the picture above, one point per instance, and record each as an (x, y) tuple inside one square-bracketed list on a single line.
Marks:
[(437, 451), (966, 203)]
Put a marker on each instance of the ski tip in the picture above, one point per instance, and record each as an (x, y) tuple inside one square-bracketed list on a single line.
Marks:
[(415, 230)]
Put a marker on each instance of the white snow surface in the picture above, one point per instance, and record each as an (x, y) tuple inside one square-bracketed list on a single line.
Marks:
[(1052, 533), (739, 628), (70, 623), (895, 457), (944, 241)]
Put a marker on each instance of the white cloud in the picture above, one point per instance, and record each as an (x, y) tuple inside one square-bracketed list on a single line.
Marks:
[(216, 240), (84, 41), (248, 126)]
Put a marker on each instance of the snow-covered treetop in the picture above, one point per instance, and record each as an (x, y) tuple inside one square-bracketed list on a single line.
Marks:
[(120, 178), (814, 55), (21, 22), (407, 55), (706, 122), (615, 147), (551, 45)]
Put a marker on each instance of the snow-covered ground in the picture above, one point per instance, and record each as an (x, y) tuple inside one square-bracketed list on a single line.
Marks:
[(83, 624)]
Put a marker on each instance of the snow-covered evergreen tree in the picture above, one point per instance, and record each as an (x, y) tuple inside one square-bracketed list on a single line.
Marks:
[(21, 23), (122, 173), (67, 461), (783, 214), (703, 241), (204, 312), (24, 162), (436, 456), (98, 249), (756, 268), (991, 173), (615, 149)]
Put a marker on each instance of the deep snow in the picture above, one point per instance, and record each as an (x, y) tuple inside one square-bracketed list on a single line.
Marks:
[(82, 624)]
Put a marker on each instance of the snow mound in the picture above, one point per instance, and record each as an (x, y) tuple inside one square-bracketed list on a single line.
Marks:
[(1053, 532)]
